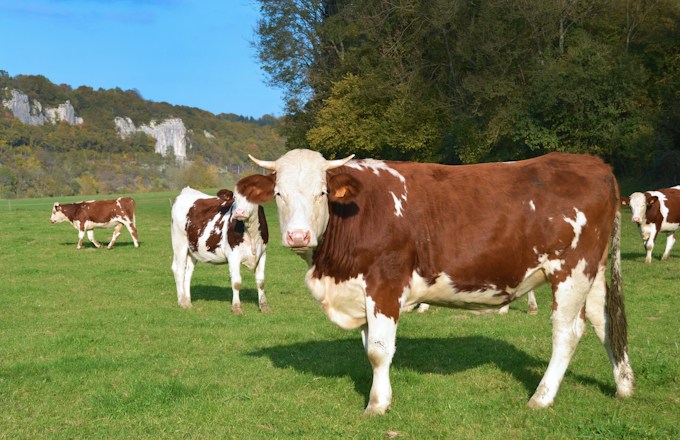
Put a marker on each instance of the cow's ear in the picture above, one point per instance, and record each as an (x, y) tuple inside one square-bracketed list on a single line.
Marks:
[(625, 201), (257, 188), (652, 200), (225, 194), (343, 188)]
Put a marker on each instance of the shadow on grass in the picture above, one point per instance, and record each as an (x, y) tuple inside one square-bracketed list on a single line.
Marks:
[(342, 358), (89, 245), (221, 293)]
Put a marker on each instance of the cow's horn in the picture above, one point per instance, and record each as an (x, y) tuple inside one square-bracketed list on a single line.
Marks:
[(266, 164), (330, 164)]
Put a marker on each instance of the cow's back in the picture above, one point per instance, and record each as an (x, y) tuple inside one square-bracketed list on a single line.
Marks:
[(480, 224), (672, 204)]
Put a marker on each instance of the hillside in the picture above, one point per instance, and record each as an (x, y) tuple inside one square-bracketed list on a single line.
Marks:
[(56, 140)]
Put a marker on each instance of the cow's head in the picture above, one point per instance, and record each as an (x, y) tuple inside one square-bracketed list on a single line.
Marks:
[(640, 204), (57, 214), (242, 208), (302, 187)]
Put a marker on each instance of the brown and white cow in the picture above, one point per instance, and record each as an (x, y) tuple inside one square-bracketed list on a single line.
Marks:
[(85, 216), (217, 230), (381, 236), (655, 212)]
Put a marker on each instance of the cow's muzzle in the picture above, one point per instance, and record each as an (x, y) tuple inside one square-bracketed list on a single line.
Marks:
[(298, 238)]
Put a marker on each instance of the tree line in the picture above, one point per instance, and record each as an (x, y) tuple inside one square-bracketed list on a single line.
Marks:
[(464, 81)]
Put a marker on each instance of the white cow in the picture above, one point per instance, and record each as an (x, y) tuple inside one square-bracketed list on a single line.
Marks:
[(218, 230)]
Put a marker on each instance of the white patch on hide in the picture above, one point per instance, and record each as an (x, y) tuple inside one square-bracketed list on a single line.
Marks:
[(344, 303), (577, 224)]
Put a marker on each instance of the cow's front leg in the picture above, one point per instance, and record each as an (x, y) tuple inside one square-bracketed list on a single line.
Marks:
[(379, 336), (670, 241), (649, 245), (90, 236), (81, 235), (259, 280), (235, 275)]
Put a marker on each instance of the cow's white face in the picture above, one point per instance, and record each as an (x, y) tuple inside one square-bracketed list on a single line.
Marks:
[(638, 205), (301, 194), (243, 209), (301, 198), (57, 214)]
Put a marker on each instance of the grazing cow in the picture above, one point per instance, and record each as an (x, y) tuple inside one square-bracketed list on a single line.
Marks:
[(85, 216), (654, 212), (380, 236), (218, 230)]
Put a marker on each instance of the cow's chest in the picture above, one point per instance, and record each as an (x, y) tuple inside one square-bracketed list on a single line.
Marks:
[(343, 302)]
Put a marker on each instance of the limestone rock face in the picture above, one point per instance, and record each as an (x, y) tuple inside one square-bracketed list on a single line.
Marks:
[(32, 113), (170, 134)]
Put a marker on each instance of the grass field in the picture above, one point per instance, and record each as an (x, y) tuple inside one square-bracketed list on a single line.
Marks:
[(93, 345)]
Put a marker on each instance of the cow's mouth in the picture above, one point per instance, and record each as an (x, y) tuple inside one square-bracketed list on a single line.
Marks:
[(301, 249)]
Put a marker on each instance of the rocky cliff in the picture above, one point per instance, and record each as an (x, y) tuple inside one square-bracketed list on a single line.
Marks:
[(33, 113), (170, 134)]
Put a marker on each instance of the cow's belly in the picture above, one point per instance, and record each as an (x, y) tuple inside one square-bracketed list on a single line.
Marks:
[(202, 254), (91, 225), (669, 227), (344, 303), (443, 292), (243, 253)]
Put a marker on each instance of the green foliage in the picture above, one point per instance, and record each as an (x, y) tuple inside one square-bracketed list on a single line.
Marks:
[(459, 81), (94, 346), (92, 158)]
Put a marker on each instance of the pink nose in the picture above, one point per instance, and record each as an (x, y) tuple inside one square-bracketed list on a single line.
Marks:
[(240, 213), (636, 219), (298, 238)]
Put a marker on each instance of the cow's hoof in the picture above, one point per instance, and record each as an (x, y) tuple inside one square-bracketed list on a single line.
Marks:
[(422, 308), (236, 310), (185, 304), (376, 409), (533, 311), (264, 308), (534, 403)]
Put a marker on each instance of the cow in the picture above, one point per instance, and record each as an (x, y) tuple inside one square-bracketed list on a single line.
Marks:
[(85, 216), (655, 212), (218, 230), (379, 236)]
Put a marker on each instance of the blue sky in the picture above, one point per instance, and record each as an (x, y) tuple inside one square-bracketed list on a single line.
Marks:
[(186, 52)]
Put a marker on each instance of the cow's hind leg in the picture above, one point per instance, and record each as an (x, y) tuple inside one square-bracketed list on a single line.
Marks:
[(597, 314), (379, 336), (259, 280), (532, 304), (90, 236), (116, 234), (235, 275), (568, 322), (183, 268), (132, 229), (670, 241)]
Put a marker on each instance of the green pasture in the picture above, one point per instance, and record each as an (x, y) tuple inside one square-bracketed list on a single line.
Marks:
[(94, 346)]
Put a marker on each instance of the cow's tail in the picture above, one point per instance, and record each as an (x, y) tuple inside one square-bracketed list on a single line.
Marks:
[(618, 327)]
